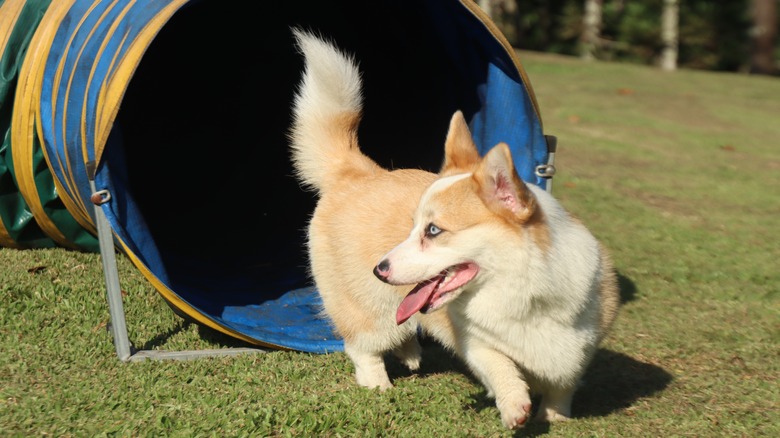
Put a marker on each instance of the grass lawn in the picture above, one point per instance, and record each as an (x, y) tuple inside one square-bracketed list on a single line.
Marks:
[(677, 173)]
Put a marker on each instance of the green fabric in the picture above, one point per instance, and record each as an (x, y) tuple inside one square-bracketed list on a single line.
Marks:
[(17, 219), (14, 213)]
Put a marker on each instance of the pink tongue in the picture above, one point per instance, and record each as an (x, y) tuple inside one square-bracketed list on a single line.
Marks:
[(416, 299)]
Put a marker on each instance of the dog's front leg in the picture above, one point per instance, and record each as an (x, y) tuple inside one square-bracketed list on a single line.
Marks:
[(370, 368), (503, 380)]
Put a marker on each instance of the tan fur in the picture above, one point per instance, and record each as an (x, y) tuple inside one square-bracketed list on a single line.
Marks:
[(353, 212), (609, 293), (459, 153)]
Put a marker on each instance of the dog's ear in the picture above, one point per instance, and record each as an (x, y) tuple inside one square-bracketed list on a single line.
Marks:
[(500, 187), (460, 153)]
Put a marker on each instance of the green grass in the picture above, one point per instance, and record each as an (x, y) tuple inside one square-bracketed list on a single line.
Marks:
[(678, 174)]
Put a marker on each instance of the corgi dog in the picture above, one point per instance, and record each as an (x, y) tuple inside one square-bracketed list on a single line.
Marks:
[(493, 268)]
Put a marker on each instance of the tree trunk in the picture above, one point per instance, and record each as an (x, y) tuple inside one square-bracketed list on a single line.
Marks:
[(591, 29), (669, 34), (764, 33), (486, 5), (506, 15)]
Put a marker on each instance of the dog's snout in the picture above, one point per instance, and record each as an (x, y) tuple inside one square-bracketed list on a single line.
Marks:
[(382, 270)]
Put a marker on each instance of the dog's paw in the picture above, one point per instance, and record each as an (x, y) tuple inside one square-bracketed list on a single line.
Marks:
[(413, 363), (555, 405), (549, 415), (371, 382), (384, 387), (410, 354), (515, 411)]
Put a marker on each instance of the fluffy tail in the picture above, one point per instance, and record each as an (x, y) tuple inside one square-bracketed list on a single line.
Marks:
[(326, 114)]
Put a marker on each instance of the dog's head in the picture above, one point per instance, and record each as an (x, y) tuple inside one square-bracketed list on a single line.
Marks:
[(474, 202)]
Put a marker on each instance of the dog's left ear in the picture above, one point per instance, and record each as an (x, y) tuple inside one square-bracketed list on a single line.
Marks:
[(460, 152), (500, 187)]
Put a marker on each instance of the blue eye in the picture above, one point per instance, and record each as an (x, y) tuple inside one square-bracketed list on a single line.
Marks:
[(432, 230)]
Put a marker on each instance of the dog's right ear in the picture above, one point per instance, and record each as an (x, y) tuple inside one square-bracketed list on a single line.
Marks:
[(501, 188), (460, 152)]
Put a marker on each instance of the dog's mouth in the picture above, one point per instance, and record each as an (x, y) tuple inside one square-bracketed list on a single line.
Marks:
[(433, 293)]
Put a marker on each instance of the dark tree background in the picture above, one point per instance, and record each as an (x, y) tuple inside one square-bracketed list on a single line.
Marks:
[(725, 35)]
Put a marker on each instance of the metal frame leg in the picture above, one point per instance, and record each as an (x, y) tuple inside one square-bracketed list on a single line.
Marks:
[(124, 349)]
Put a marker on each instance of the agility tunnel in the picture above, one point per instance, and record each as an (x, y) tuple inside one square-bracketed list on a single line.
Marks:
[(172, 116)]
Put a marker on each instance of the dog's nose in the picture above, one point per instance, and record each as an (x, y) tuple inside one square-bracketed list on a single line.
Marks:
[(382, 270)]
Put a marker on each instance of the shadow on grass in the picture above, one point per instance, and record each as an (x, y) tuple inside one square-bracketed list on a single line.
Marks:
[(162, 338), (219, 339), (627, 288), (613, 382)]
